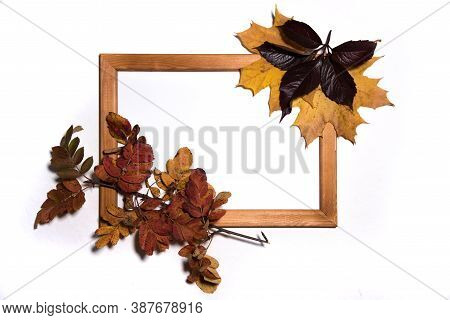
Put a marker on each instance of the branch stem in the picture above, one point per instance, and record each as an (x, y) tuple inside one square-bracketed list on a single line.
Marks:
[(237, 234)]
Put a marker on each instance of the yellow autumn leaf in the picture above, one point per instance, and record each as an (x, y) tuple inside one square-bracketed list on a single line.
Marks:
[(316, 109), (108, 235), (210, 279), (259, 75), (256, 35), (206, 286), (155, 192), (368, 93), (179, 167)]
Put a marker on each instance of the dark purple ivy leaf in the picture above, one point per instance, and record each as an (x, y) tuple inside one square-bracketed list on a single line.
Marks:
[(297, 82), (351, 54), (279, 57), (337, 84), (301, 34), (320, 64)]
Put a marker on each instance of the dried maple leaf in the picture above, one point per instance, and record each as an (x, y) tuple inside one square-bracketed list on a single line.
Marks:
[(259, 75), (68, 197), (318, 64), (316, 110), (256, 35)]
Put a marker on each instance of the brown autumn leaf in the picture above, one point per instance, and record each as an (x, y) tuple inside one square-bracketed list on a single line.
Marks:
[(220, 200), (185, 227), (72, 185), (130, 169), (156, 192), (61, 159), (102, 175), (202, 268), (60, 201), (316, 110), (154, 232), (198, 196), (209, 280), (67, 156), (119, 127)]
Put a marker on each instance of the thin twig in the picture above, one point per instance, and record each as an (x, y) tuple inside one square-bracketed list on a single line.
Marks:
[(222, 230), (110, 186)]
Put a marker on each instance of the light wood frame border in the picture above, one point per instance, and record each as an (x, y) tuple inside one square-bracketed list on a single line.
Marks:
[(111, 64)]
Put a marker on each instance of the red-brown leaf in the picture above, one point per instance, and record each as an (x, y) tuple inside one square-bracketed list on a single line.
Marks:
[(59, 202), (199, 196), (131, 168), (72, 185), (216, 214), (119, 127), (150, 240)]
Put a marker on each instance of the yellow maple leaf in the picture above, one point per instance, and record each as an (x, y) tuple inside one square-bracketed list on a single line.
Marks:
[(256, 35), (316, 110), (368, 93), (259, 75)]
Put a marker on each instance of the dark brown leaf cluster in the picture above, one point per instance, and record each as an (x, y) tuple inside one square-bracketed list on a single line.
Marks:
[(67, 156), (68, 196)]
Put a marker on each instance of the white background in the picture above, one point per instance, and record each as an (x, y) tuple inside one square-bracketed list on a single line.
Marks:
[(393, 185)]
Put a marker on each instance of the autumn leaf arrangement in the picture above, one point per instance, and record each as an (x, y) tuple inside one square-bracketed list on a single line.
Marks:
[(179, 205), (302, 71)]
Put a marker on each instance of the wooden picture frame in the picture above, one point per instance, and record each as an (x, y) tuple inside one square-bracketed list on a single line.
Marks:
[(111, 64)]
